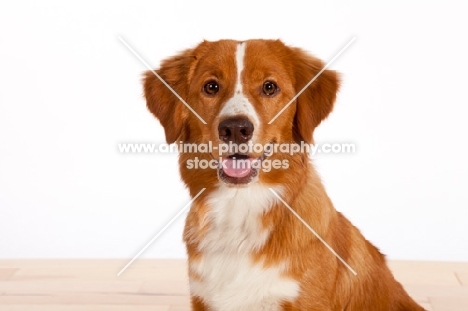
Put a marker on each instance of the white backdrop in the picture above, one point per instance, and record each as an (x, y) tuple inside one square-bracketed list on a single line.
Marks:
[(70, 92)]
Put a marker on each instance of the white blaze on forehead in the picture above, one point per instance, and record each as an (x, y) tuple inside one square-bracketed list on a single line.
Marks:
[(238, 104), (240, 54)]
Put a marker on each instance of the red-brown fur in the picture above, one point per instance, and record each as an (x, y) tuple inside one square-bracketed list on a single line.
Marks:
[(326, 284)]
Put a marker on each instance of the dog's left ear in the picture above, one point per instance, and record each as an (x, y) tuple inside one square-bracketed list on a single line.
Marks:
[(316, 102)]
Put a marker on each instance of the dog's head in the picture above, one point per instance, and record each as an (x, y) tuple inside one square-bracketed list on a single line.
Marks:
[(239, 89)]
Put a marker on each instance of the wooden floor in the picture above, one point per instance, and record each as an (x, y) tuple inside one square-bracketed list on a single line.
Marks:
[(161, 285)]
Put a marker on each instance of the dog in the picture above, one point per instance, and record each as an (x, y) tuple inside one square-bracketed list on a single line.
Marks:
[(246, 249)]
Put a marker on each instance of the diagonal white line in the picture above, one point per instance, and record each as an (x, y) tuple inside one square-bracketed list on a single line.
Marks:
[(159, 77), (160, 232), (313, 79), (313, 231)]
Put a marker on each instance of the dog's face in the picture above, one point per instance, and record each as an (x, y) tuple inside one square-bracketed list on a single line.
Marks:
[(238, 89)]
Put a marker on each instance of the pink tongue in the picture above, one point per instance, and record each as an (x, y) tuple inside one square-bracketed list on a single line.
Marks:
[(237, 168)]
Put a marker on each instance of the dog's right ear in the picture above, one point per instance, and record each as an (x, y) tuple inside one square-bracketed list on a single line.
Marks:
[(164, 104)]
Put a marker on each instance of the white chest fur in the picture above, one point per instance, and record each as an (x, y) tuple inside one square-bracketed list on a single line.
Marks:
[(229, 279)]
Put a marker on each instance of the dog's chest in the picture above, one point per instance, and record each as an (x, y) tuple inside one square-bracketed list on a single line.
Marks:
[(228, 278)]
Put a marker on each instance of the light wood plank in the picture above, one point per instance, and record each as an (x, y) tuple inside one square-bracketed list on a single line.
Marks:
[(426, 305), (162, 285), (7, 273), (462, 278), (449, 304), (35, 287), (88, 308), (424, 273), (165, 288), (93, 299)]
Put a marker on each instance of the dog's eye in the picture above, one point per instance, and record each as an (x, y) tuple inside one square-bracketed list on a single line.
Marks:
[(269, 88), (211, 88)]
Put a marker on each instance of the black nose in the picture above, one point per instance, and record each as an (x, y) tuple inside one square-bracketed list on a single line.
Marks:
[(237, 130)]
